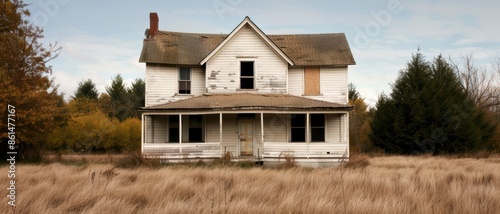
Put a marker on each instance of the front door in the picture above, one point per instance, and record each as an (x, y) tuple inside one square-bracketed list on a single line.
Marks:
[(246, 137)]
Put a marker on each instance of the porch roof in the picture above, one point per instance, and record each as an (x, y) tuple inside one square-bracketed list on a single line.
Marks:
[(242, 101)]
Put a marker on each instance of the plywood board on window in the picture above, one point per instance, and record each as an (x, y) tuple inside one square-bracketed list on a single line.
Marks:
[(311, 81)]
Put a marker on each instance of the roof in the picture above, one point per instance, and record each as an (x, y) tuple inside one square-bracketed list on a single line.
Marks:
[(259, 32), (180, 48), (241, 101)]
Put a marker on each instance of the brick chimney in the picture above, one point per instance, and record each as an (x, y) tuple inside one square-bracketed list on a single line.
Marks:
[(153, 25)]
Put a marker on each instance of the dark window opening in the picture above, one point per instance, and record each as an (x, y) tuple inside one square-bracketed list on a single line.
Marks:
[(173, 129), (195, 128), (317, 127), (184, 81), (247, 75), (298, 128), (246, 116)]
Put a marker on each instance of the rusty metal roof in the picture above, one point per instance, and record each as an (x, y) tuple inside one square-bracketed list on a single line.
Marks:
[(242, 101), (179, 48)]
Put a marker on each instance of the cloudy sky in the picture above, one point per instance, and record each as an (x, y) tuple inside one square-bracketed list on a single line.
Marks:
[(103, 38)]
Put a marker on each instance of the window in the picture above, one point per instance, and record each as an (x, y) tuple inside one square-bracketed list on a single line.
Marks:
[(311, 81), (184, 81), (246, 75), (173, 129), (298, 128), (193, 124), (317, 127), (195, 128)]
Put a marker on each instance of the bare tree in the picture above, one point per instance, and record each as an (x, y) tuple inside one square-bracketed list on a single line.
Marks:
[(482, 84)]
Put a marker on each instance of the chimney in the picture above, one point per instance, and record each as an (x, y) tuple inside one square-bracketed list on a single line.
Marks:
[(153, 25)]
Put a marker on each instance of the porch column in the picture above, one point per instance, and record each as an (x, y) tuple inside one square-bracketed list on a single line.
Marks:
[(308, 132), (220, 131), (262, 131), (346, 132), (143, 133), (180, 133)]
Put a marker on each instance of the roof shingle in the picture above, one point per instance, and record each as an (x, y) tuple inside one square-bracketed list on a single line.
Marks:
[(237, 101), (191, 48)]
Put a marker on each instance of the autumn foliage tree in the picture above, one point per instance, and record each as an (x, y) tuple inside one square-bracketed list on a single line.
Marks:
[(24, 76), (358, 122)]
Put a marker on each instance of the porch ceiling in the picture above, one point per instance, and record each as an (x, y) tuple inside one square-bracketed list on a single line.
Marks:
[(242, 101)]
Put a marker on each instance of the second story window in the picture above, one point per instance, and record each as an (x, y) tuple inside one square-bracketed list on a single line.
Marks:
[(247, 75), (184, 81)]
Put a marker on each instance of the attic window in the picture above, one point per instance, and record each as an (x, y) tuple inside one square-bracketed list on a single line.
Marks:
[(246, 75), (184, 81)]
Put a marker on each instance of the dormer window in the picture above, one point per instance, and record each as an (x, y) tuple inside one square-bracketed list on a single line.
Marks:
[(247, 75), (184, 80)]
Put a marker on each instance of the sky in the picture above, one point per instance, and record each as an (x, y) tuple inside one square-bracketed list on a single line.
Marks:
[(101, 39)]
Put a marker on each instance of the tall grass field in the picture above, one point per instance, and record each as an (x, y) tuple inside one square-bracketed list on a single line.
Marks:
[(389, 184)]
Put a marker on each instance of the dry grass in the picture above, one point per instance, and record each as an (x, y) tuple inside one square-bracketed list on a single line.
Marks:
[(392, 184)]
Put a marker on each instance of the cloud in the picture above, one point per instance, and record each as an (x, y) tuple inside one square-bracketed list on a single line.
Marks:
[(87, 56)]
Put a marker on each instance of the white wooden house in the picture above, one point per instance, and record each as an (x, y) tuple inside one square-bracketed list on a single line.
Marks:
[(254, 95)]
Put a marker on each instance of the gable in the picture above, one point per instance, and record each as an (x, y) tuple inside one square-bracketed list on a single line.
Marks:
[(248, 24)]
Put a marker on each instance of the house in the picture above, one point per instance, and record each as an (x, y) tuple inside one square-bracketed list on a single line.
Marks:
[(257, 96)]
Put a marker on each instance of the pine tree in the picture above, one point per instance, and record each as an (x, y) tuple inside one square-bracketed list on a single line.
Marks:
[(428, 112), (86, 89), (120, 100)]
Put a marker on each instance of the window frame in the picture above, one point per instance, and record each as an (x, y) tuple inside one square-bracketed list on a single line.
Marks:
[(321, 126), (241, 76), (188, 81)]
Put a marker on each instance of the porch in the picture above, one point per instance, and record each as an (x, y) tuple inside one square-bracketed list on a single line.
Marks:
[(263, 127), (255, 136)]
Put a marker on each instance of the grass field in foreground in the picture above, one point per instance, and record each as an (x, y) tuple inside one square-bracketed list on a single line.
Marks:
[(392, 184)]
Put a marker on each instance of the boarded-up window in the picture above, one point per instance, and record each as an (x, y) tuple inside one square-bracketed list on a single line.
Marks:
[(184, 81), (311, 81), (246, 75)]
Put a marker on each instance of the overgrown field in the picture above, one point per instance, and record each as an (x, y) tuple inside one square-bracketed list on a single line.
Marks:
[(393, 184)]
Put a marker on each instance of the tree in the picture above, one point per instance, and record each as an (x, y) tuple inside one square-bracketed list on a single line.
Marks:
[(124, 101), (137, 94), (24, 76), (120, 101), (429, 112), (482, 85), (86, 89), (353, 93), (358, 122)]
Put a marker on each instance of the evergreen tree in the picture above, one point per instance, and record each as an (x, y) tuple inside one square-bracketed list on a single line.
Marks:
[(120, 101), (86, 89), (428, 112), (137, 93)]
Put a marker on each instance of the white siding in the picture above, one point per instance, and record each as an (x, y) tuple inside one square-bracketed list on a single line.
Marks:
[(333, 85), (333, 132), (275, 128), (159, 129), (296, 81), (162, 84), (212, 128), (197, 81), (223, 70), (229, 130)]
